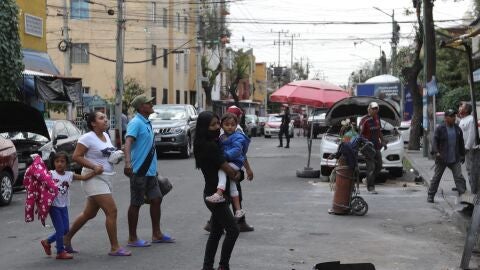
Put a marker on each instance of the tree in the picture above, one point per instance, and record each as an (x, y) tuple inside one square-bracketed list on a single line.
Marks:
[(241, 64), (409, 75), (132, 88), (211, 75), (11, 65)]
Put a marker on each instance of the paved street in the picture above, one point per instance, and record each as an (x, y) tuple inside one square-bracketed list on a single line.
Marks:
[(292, 227)]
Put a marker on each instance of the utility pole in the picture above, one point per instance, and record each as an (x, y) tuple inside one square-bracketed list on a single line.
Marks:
[(291, 54), (199, 62), (279, 45), (395, 39), (67, 65), (119, 69)]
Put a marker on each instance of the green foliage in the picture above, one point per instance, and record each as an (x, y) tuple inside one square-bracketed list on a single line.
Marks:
[(214, 27), (452, 98), (11, 64), (132, 88), (58, 107)]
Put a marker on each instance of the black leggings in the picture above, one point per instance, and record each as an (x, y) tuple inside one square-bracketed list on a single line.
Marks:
[(284, 131), (222, 218)]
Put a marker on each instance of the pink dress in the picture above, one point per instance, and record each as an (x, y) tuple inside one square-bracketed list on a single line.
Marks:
[(41, 191)]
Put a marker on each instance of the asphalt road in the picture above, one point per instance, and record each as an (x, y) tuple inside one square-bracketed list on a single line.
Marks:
[(292, 227)]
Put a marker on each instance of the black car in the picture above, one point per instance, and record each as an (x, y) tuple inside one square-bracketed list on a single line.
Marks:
[(174, 128), (30, 134)]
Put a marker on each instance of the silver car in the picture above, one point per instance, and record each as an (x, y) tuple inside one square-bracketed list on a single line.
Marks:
[(174, 128)]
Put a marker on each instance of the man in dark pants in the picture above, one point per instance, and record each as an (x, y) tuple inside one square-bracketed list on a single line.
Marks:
[(284, 128), (370, 129), (242, 223), (449, 150)]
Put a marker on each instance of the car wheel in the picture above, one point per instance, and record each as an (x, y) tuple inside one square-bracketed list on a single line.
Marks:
[(187, 149), (396, 172), (6, 188), (268, 136), (325, 170)]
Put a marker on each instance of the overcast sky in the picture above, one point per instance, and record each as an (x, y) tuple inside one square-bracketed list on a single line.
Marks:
[(330, 49)]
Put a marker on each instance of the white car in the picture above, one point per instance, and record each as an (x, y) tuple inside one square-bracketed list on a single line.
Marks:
[(272, 126), (355, 107), (405, 130)]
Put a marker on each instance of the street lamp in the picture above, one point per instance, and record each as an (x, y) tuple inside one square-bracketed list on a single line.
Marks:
[(109, 11), (369, 42), (395, 38)]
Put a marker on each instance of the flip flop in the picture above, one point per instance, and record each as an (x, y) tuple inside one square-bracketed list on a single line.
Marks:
[(165, 239), (139, 243), (120, 252)]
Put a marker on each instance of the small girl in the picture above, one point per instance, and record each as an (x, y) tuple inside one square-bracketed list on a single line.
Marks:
[(59, 209), (235, 146)]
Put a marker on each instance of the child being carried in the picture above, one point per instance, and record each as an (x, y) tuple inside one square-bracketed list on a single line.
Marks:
[(234, 145)]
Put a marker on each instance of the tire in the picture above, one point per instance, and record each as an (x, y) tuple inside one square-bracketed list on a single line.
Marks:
[(308, 173), (396, 172), (325, 170), (268, 136), (6, 188), (187, 149), (358, 206)]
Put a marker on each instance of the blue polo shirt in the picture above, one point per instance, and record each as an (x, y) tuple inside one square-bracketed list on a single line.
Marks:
[(141, 130)]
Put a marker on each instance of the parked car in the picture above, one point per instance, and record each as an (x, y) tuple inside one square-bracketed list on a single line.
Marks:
[(356, 107), (8, 170), (253, 128), (174, 128), (317, 117), (272, 126), (404, 129), (261, 124)]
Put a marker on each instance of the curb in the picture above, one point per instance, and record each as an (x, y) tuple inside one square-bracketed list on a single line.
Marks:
[(451, 209)]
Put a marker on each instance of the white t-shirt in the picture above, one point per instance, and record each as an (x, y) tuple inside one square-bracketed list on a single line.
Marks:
[(63, 184), (98, 151)]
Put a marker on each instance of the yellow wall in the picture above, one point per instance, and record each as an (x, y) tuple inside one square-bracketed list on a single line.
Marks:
[(36, 8), (260, 82)]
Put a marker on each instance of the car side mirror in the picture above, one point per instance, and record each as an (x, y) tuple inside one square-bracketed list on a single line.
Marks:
[(59, 137)]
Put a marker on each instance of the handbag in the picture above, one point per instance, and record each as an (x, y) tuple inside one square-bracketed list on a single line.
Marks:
[(164, 184)]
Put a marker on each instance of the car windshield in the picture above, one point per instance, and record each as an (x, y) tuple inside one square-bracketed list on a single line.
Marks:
[(169, 113), (274, 118), (24, 136)]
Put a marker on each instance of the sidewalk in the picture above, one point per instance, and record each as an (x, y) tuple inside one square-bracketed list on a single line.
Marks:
[(446, 200)]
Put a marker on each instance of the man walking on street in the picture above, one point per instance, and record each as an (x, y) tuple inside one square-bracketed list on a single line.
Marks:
[(448, 148), (284, 128), (141, 167), (468, 126), (370, 129)]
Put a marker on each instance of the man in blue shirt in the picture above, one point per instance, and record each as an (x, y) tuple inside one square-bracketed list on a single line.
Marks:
[(141, 167), (449, 151)]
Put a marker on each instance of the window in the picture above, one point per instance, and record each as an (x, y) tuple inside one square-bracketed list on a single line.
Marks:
[(185, 62), (185, 25), (60, 129), (177, 97), (193, 97), (165, 19), (86, 90), (79, 53), (154, 12), (79, 9), (165, 96), (154, 94), (178, 21), (177, 61), (154, 55), (185, 97), (165, 58), (72, 130)]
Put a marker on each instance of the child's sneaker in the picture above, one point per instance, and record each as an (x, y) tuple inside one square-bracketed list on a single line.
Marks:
[(64, 256), (47, 247), (239, 213), (215, 198)]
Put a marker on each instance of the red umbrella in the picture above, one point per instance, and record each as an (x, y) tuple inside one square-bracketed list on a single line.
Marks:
[(313, 93)]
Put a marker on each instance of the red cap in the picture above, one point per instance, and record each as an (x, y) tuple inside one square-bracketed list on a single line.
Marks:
[(235, 110)]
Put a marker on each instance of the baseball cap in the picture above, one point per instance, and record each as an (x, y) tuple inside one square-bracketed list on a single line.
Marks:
[(235, 110), (373, 104), (140, 100), (450, 112)]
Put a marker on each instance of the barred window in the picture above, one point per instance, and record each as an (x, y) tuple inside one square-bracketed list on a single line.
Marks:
[(80, 53)]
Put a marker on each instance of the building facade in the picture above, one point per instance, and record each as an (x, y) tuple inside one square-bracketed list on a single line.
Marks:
[(159, 47)]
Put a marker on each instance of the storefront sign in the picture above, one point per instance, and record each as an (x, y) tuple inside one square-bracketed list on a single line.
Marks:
[(33, 25)]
